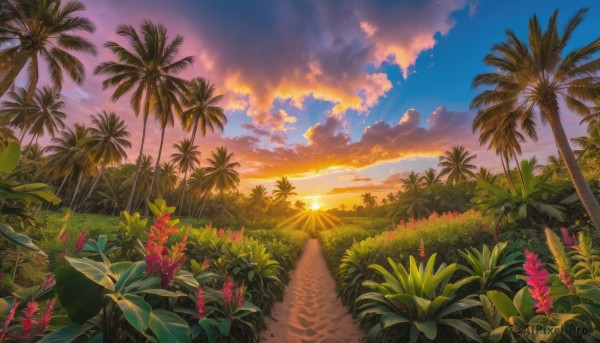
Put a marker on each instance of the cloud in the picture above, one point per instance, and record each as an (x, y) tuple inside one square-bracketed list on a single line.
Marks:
[(276, 138), (354, 178), (260, 52), (389, 184)]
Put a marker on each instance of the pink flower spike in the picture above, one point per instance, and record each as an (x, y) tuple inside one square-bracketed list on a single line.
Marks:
[(49, 282), (570, 240), (227, 291), (46, 316), (64, 236), (80, 240), (27, 319), (200, 306), (537, 280), (9, 317)]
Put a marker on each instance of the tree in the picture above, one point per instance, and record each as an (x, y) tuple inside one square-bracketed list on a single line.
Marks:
[(300, 205), (283, 191), (369, 200), (202, 108), (70, 157), (46, 113), (221, 172), (456, 164), (430, 178), (147, 72), (16, 112), (186, 157), (167, 178), (486, 175), (258, 198), (44, 30), (107, 141), (412, 182), (532, 76), (199, 187)]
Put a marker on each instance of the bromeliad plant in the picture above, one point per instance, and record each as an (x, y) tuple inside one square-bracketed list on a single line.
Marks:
[(495, 269), (566, 303), (417, 305)]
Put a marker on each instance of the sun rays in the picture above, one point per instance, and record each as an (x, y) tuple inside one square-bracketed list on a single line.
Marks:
[(311, 221)]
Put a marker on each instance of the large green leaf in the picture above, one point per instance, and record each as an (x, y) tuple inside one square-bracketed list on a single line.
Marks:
[(169, 327), (136, 311), (9, 157), (503, 303), (19, 239), (95, 271), (78, 295), (135, 272), (66, 334)]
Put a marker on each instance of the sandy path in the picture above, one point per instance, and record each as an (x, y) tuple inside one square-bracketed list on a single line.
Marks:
[(311, 311)]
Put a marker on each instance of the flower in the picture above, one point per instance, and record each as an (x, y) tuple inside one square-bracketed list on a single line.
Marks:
[(200, 306), (9, 317), (46, 316), (27, 319), (537, 280), (422, 254), (570, 240), (227, 291), (158, 259), (49, 282), (561, 258), (80, 240), (205, 264), (220, 233), (64, 236)]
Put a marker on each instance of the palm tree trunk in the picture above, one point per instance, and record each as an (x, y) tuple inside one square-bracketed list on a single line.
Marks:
[(152, 189), (23, 131), (202, 208), (137, 166), (62, 184), (32, 138), (506, 166), (583, 189), (91, 191), (182, 192), (76, 191), (519, 170)]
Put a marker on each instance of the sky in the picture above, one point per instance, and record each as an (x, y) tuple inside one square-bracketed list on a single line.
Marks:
[(342, 97)]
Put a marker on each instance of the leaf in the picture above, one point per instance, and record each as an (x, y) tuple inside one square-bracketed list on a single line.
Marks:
[(429, 328), (9, 157), (66, 334), (162, 292), (136, 311), (95, 271), (503, 303), (135, 272), (390, 318), (78, 295), (224, 327), (169, 327), (210, 333), (19, 239)]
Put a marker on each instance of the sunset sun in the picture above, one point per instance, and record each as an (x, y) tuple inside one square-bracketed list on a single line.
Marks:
[(315, 206)]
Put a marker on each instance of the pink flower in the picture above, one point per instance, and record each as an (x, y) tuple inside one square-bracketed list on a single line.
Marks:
[(49, 282), (64, 236), (227, 291), (200, 306), (537, 280), (570, 240), (565, 277), (80, 240), (159, 261), (46, 316), (27, 319), (9, 317), (220, 233), (205, 264)]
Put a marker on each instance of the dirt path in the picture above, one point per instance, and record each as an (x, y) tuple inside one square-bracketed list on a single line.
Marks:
[(311, 311)]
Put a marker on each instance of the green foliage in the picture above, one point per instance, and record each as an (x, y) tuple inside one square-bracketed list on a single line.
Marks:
[(417, 305), (495, 269), (131, 234)]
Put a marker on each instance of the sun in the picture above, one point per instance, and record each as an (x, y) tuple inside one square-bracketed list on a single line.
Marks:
[(315, 206)]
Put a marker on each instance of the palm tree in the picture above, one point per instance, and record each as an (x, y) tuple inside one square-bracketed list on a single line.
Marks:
[(166, 119), (369, 200), (555, 165), (300, 205), (258, 198), (6, 136), (46, 114), (532, 77), (167, 178), (456, 164), (199, 187), (221, 173), (147, 72), (16, 112), (108, 138), (283, 191), (202, 108), (44, 30), (430, 178), (485, 175), (70, 157), (186, 157), (412, 182)]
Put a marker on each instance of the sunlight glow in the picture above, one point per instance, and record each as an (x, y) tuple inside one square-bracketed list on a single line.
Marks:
[(315, 206)]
